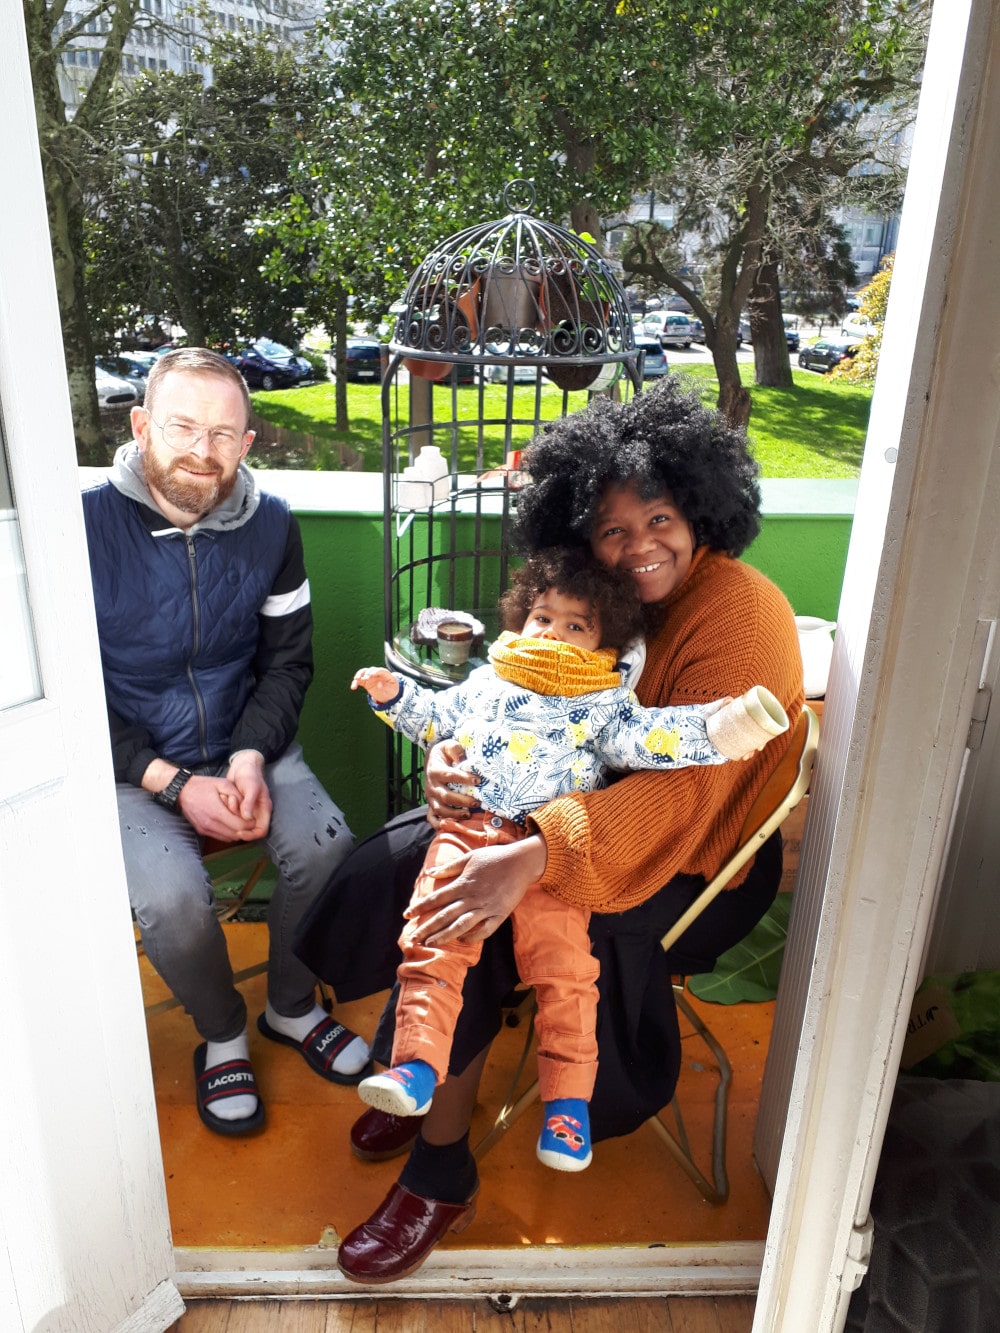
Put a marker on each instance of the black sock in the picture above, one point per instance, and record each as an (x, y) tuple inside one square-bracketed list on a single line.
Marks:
[(445, 1172)]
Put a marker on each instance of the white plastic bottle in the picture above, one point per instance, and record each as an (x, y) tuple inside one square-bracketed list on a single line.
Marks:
[(425, 481), (430, 466)]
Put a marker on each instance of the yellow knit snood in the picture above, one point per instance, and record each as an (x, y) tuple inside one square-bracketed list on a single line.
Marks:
[(546, 666)]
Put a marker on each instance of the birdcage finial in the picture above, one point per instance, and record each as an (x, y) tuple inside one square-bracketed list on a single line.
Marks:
[(519, 188)]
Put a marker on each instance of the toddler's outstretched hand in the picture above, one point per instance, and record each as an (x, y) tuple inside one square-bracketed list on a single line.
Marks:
[(380, 684)]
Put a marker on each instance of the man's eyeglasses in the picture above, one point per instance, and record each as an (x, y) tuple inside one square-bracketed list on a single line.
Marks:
[(181, 435)]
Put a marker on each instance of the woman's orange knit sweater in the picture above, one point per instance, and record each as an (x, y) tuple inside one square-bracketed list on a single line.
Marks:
[(727, 627)]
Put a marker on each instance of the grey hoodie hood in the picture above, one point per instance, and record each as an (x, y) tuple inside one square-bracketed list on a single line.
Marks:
[(129, 477)]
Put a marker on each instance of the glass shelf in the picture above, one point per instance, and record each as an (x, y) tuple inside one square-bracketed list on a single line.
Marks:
[(421, 662)]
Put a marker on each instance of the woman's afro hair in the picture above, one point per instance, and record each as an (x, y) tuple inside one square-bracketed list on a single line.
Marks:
[(610, 593), (664, 440)]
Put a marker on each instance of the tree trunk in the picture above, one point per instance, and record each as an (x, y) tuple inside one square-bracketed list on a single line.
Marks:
[(65, 211), (770, 346), (734, 402), (178, 267), (581, 157), (586, 220), (340, 358), (739, 270)]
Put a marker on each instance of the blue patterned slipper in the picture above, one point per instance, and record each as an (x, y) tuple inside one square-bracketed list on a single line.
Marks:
[(403, 1090), (564, 1143)]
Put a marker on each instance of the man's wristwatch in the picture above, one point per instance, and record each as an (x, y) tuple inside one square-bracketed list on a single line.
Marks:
[(168, 796)]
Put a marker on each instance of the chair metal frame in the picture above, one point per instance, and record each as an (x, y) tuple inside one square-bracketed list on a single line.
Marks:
[(253, 864), (779, 796)]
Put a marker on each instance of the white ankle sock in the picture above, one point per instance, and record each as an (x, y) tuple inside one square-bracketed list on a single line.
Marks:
[(219, 1053), (351, 1059)]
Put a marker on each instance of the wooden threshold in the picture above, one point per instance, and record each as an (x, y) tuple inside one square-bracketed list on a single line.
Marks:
[(673, 1314)]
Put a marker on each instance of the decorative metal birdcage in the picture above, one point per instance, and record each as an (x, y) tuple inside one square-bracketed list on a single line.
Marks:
[(504, 326)]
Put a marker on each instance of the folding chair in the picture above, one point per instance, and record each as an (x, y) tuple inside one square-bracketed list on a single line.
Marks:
[(780, 795), (234, 860)]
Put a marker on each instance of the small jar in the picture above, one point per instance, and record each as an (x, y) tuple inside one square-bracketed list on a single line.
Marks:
[(454, 639)]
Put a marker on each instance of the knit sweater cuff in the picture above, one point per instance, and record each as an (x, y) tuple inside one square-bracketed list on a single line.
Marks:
[(566, 829)]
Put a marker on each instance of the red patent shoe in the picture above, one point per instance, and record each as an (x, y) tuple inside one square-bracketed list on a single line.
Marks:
[(378, 1135), (399, 1235)]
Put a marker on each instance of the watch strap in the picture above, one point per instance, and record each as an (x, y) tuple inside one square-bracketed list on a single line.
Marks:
[(169, 795)]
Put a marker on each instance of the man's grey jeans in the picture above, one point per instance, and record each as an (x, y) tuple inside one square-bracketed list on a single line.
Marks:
[(172, 897)]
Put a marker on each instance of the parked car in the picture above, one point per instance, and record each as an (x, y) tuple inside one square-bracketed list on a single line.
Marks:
[(697, 329), (655, 359), (524, 372), (113, 391), (269, 365), (825, 354), (465, 373), (857, 326), (671, 327), (124, 368), (144, 361), (363, 361), (791, 332)]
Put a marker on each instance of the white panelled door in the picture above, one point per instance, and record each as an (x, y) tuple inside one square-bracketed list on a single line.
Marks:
[(84, 1233)]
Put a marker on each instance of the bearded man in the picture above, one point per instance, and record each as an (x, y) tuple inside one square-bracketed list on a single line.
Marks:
[(205, 630)]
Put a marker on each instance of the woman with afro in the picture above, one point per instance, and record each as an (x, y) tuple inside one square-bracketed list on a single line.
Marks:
[(664, 489)]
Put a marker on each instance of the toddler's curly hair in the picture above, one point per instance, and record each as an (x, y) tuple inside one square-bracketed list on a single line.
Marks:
[(610, 593)]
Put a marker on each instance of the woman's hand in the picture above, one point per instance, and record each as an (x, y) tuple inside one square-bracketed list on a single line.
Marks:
[(442, 766), (480, 891)]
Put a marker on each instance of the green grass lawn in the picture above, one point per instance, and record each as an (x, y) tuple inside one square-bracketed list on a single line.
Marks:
[(815, 429)]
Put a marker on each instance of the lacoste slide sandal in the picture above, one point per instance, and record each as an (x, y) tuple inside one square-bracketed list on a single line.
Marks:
[(233, 1078), (321, 1047)]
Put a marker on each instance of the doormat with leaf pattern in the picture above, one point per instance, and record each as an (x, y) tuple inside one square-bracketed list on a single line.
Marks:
[(749, 970)]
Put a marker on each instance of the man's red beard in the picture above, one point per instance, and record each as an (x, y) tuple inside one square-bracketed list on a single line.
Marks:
[(178, 489)]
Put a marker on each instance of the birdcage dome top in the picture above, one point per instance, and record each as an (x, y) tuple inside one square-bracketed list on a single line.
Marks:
[(511, 290)]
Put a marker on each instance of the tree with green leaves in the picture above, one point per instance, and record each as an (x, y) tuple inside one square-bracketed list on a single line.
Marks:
[(862, 366), (397, 158), (187, 167), (81, 157), (786, 99), (568, 95), (419, 135)]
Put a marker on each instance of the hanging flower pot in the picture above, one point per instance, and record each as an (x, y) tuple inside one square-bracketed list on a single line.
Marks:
[(442, 321)]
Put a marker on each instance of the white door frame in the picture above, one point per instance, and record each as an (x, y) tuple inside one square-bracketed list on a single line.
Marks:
[(84, 1231), (919, 602)]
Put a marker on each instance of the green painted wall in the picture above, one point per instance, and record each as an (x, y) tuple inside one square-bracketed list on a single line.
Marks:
[(342, 741), (804, 554)]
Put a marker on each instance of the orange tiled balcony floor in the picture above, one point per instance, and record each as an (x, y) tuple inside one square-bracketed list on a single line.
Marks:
[(298, 1183)]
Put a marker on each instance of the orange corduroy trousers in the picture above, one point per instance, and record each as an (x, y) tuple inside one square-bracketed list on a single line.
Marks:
[(552, 949)]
